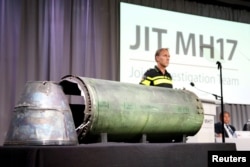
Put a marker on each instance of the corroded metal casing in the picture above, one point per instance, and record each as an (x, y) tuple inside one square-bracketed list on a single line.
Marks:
[(42, 116), (126, 110)]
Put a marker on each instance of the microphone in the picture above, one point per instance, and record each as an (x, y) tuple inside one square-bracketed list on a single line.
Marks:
[(216, 96), (192, 84), (219, 64)]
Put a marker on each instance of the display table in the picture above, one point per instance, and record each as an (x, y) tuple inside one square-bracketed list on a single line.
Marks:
[(242, 144), (111, 155)]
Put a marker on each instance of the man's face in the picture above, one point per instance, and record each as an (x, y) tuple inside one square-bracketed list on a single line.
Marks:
[(226, 118), (163, 58)]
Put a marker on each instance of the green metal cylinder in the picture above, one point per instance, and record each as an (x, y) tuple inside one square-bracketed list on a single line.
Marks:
[(125, 109)]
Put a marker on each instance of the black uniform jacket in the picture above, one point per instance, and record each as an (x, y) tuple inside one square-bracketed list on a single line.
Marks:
[(154, 77)]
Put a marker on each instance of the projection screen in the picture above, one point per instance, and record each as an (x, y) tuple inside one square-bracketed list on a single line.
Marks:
[(195, 43)]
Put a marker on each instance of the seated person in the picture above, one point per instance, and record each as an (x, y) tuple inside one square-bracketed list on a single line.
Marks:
[(246, 126), (228, 129)]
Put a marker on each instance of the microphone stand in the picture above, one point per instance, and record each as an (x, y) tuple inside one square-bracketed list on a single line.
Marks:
[(221, 98)]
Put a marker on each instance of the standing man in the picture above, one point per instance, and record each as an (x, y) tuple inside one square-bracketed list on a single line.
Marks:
[(158, 76)]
